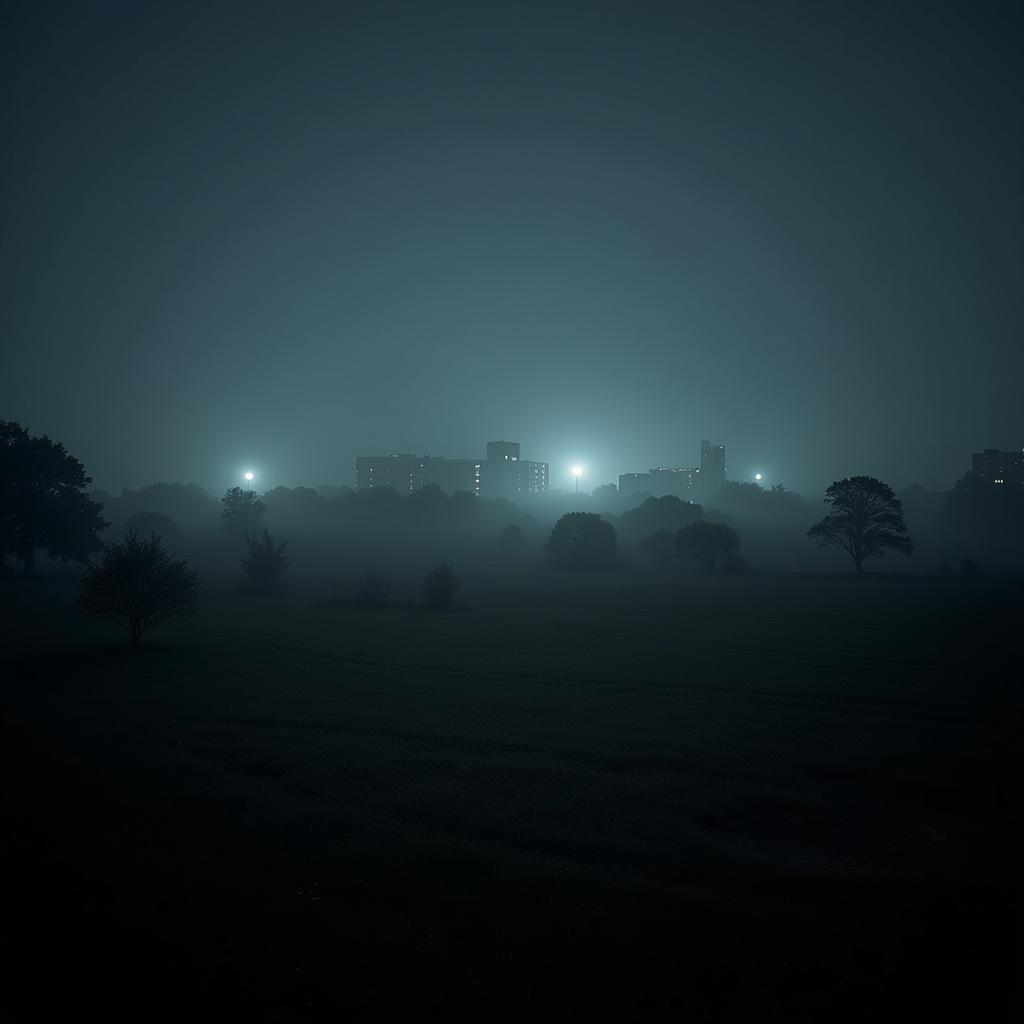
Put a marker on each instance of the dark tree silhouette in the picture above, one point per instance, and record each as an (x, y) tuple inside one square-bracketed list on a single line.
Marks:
[(606, 496), (665, 513), (976, 508), (582, 540), (658, 547), (144, 523), (242, 510), (512, 540), (866, 520), (707, 543), (188, 505), (755, 506), (137, 584), (440, 585), (264, 560), (373, 588), (43, 502)]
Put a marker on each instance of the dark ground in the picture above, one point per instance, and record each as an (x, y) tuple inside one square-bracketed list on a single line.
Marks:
[(780, 798)]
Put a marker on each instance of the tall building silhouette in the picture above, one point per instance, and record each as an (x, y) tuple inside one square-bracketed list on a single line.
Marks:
[(999, 468), (712, 464)]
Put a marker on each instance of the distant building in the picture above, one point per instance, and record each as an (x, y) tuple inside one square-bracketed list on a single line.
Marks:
[(999, 468), (402, 473), (635, 483), (685, 483), (712, 464), (452, 475), (503, 474), (660, 481), (502, 451)]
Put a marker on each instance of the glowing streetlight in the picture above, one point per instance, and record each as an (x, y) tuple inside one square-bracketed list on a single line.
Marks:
[(577, 471), (249, 477), (757, 477)]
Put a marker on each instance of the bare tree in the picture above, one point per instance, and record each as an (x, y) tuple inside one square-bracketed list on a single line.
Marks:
[(137, 584), (707, 543), (440, 586), (866, 520), (264, 560)]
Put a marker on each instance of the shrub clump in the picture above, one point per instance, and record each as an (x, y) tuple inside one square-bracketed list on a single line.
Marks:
[(374, 589), (440, 585), (264, 560)]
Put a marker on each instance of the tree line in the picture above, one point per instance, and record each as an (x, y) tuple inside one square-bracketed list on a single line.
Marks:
[(137, 581)]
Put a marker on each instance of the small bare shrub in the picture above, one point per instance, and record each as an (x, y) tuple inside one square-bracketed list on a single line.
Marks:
[(440, 585), (374, 589)]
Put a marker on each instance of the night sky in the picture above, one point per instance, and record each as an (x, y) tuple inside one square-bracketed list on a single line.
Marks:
[(278, 236)]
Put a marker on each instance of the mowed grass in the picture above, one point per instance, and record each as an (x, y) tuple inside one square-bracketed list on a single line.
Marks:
[(794, 795)]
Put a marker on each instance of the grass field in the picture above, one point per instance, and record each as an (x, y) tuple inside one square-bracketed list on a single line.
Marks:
[(772, 797)]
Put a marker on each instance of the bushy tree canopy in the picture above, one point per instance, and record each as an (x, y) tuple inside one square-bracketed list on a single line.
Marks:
[(582, 540), (43, 502), (264, 560), (512, 540), (658, 547), (866, 520), (706, 543), (137, 584), (665, 513), (242, 510)]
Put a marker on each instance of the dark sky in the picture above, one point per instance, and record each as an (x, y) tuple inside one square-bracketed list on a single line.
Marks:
[(280, 235)]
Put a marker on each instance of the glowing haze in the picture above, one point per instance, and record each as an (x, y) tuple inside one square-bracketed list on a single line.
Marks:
[(283, 236)]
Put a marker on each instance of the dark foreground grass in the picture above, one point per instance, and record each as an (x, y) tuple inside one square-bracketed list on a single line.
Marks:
[(772, 798)]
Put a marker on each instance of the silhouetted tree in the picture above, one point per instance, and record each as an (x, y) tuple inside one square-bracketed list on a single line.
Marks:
[(264, 560), (43, 502), (657, 547), (242, 510), (294, 504), (373, 588), (191, 507), (754, 505), (977, 507), (137, 584), (440, 585), (665, 513), (866, 520), (707, 543), (512, 540), (734, 564), (582, 540), (144, 523), (606, 496)]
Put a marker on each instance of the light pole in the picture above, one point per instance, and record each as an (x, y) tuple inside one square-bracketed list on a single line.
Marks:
[(577, 471), (249, 477)]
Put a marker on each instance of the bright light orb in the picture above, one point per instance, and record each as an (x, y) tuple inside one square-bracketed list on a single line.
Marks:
[(577, 471), (757, 477), (250, 476)]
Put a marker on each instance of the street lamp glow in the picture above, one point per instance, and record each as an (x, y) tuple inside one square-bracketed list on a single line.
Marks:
[(577, 471), (250, 476), (757, 477)]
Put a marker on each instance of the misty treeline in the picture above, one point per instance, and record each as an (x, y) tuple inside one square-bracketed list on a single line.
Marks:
[(334, 533)]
